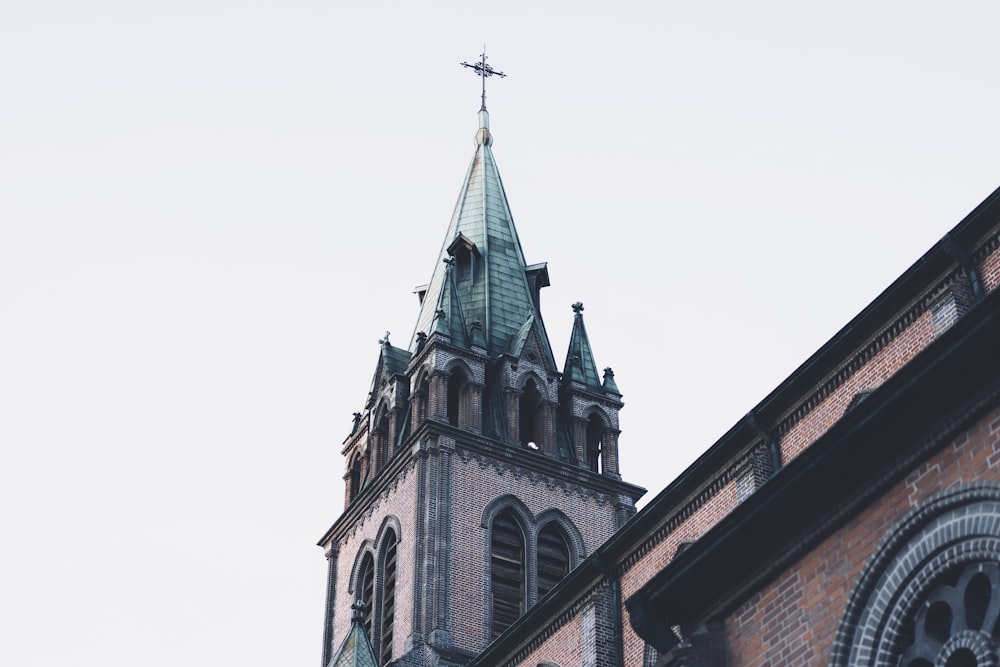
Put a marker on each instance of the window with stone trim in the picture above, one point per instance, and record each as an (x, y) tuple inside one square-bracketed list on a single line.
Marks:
[(595, 442), (930, 596), (458, 397), (530, 416), (365, 590), (506, 572), (388, 555), (374, 580), (552, 557), (381, 437), (423, 397), (354, 478)]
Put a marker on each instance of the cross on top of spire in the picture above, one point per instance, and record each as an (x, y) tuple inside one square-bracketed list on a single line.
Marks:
[(483, 69)]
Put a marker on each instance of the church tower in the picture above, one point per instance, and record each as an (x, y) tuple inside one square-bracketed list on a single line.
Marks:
[(477, 472)]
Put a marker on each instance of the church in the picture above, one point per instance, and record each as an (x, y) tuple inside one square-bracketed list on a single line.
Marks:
[(851, 518)]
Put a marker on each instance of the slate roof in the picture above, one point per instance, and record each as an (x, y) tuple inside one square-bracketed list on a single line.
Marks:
[(580, 365), (498, 294), (355, 651), (448, 317)]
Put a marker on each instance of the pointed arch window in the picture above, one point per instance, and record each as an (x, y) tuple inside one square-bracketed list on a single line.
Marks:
[(506, 571), (552, 557), (595, 442), (382, 440), (529, 416), (458, 396), (365, 590), (354, 478), (423, 395), (388, 597)]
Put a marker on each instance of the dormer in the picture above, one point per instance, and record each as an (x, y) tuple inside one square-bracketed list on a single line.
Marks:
[(466, 253), (538, 277)]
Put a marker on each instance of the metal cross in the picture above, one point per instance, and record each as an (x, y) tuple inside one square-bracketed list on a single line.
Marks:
[(483, 69)]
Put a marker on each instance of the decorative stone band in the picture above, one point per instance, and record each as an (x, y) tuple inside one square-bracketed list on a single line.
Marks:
[(931, 593)]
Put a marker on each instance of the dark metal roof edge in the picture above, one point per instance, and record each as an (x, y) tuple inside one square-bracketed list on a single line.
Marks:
[(968, 341), (894, 298), (823, 362)]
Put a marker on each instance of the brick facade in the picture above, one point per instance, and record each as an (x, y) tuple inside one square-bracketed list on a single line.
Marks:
[(793, 621), (474, 421), (768, 629)]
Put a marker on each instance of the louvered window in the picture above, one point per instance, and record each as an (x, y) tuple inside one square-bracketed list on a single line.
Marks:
[(366, 590), (506, 571), (553, 557), (388, 598)]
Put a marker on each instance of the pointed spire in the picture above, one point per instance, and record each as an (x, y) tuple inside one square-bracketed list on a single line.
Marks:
[(580, 366), (610, 385), (489, 276), (356, 650)]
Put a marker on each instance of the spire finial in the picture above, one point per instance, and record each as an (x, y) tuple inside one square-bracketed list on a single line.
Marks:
[(578, 307), (483, 69)]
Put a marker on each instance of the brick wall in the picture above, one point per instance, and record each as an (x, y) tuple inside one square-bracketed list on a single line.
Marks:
[(397, 501), (877, 370), (661, 551), (478, 482), (792, 622)]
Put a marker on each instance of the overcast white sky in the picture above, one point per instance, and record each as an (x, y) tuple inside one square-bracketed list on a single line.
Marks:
[(211, 211)]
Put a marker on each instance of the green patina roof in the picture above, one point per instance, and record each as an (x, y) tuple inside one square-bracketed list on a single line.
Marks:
[(356, 651), (448, 317), (580, 366), (498, 294), (391, 361)]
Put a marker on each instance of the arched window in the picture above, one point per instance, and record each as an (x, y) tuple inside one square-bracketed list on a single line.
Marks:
[(595, 442), (457, 396), (423, 395), (506, 571), (529, 409), (388, 597), (553, 557), (365, 590), (354, 478), (382, 440)]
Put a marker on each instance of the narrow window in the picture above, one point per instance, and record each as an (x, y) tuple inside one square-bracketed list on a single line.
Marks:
[(423, 394), (528, 416), (595, 437), (457, 384), (382, 440), (463, 264), (366, 590), (553, 557), (388, 598), (506, 571), (355, 478)]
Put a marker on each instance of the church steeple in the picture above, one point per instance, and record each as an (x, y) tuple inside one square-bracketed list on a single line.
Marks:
[(491, 277), (472, 450)]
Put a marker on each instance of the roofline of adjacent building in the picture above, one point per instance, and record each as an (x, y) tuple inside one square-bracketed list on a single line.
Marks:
[(915, 412), (864, 326)]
